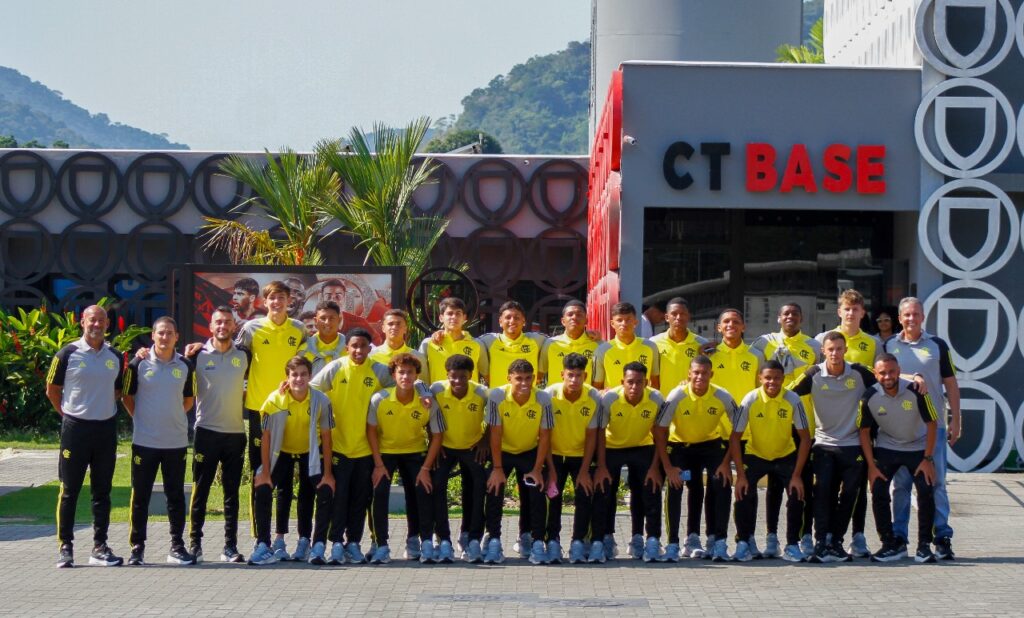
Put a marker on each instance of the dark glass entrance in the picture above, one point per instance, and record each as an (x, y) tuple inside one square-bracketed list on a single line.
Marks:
[(757, 260)]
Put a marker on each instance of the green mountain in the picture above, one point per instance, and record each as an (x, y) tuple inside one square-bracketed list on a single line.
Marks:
[(540, 107), (31, 111)]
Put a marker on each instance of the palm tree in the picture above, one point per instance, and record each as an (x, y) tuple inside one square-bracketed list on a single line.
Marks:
[(813, 54), (376, 205), (291, 192)]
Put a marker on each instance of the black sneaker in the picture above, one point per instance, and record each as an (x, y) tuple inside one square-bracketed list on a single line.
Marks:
[(66, 556), (836, 553), (178, 555), (102, 556), (924, 554), (230, 554), (820, 553), (944, 548), (197, 552), (138, 555), (890, 552)]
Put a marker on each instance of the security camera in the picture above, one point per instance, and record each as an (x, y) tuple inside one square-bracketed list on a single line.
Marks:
[(629, 139)]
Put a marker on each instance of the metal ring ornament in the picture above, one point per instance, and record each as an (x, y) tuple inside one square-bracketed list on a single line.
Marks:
[(548, 277), (509, 259), (204, 177), (43, 187), (40, 255), (71, 258), (472, 198), (421, 304), (539, 191), (999, 408), (135, 185), (444, 180), (975, 368), (141, 258), (971, 69), (111, 185)]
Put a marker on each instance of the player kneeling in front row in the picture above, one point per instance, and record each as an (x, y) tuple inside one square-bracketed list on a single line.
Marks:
[(699, 415), (906, 424), (772, 413), (628, 415), (463, 403), (396, 428), (520, 423), (296, 422), (576, 408)]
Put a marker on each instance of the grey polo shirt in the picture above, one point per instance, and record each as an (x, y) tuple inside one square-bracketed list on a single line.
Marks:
[(159, 389), (89, 379), (900, 419), (836, 401), (220, 387), (928, 356)]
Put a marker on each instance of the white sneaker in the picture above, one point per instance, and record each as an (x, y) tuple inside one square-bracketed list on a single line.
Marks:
[(692, 547)]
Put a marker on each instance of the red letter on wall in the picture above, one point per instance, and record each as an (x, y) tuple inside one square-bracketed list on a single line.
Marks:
[(870, 169), (761, 174), (838, 176), (798, 171)]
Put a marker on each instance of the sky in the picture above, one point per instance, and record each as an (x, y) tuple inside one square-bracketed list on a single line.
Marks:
[(254, 74)]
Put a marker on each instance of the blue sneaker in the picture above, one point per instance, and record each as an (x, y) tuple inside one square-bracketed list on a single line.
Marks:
[(611, 549), (793, 553), (494, 554), (354, 554), (578, 552), (523, 545), (709, 545), (463, 544), (859, 546), (445, 553), (337, 554), (771, 546), (754, 551), (412, 548), (652, 550), (381, 556), (280, 549), (807, 545), (316, 554), (636, 547), (692, 547), (262, 555), (554, 552), (720, 553), (671, 553), (743, 553), (427, 553), (539, 553), (301, 550), (474, 554), (598, 553)]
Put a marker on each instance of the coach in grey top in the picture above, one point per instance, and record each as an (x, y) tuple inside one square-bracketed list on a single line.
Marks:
[(220, 383), (158, 392), (900, 417)]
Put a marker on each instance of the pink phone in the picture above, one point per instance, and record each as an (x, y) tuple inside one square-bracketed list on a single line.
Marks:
[(552, 490)]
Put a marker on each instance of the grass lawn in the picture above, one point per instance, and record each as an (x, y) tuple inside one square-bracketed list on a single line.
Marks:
[(26, 440)]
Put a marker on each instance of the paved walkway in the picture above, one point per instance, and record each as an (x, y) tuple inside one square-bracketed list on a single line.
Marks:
[(985, 580), (21, 469)]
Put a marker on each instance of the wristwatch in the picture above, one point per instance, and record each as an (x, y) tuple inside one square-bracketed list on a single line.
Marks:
[(929, 458)]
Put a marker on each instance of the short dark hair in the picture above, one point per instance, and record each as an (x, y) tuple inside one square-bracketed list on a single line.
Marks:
[(165, 319), (730, 310), (358, 332), (573, 303), (833, 335), (701, 360), (307, 315), (333, 283), (635, 366), (223, 309), (275, 287), (678, 300), (799, 309), (330, 305), (404, 359), (248, 285), (772, 364), (623, 309), (296, 362), (520, 365), (459, 362), (574, 361), (397, 312), (510, 305), (453, 303), (886, 357)]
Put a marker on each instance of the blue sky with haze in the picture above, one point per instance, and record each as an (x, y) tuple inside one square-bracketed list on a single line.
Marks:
[(249, 74)]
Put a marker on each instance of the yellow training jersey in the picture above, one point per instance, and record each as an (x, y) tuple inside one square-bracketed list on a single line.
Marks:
[(295, 438), (613, 355), (694, 419), (861, 348), (463, 418), (383, 354), (555, 349), (735, 370), (350, 387), (501, 351), (437, 355), (796, 353), (319, 353), (771, 421), (573, 419), (271, 346), (402, 427), (520, 424), (674, 358), (626, 425)]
